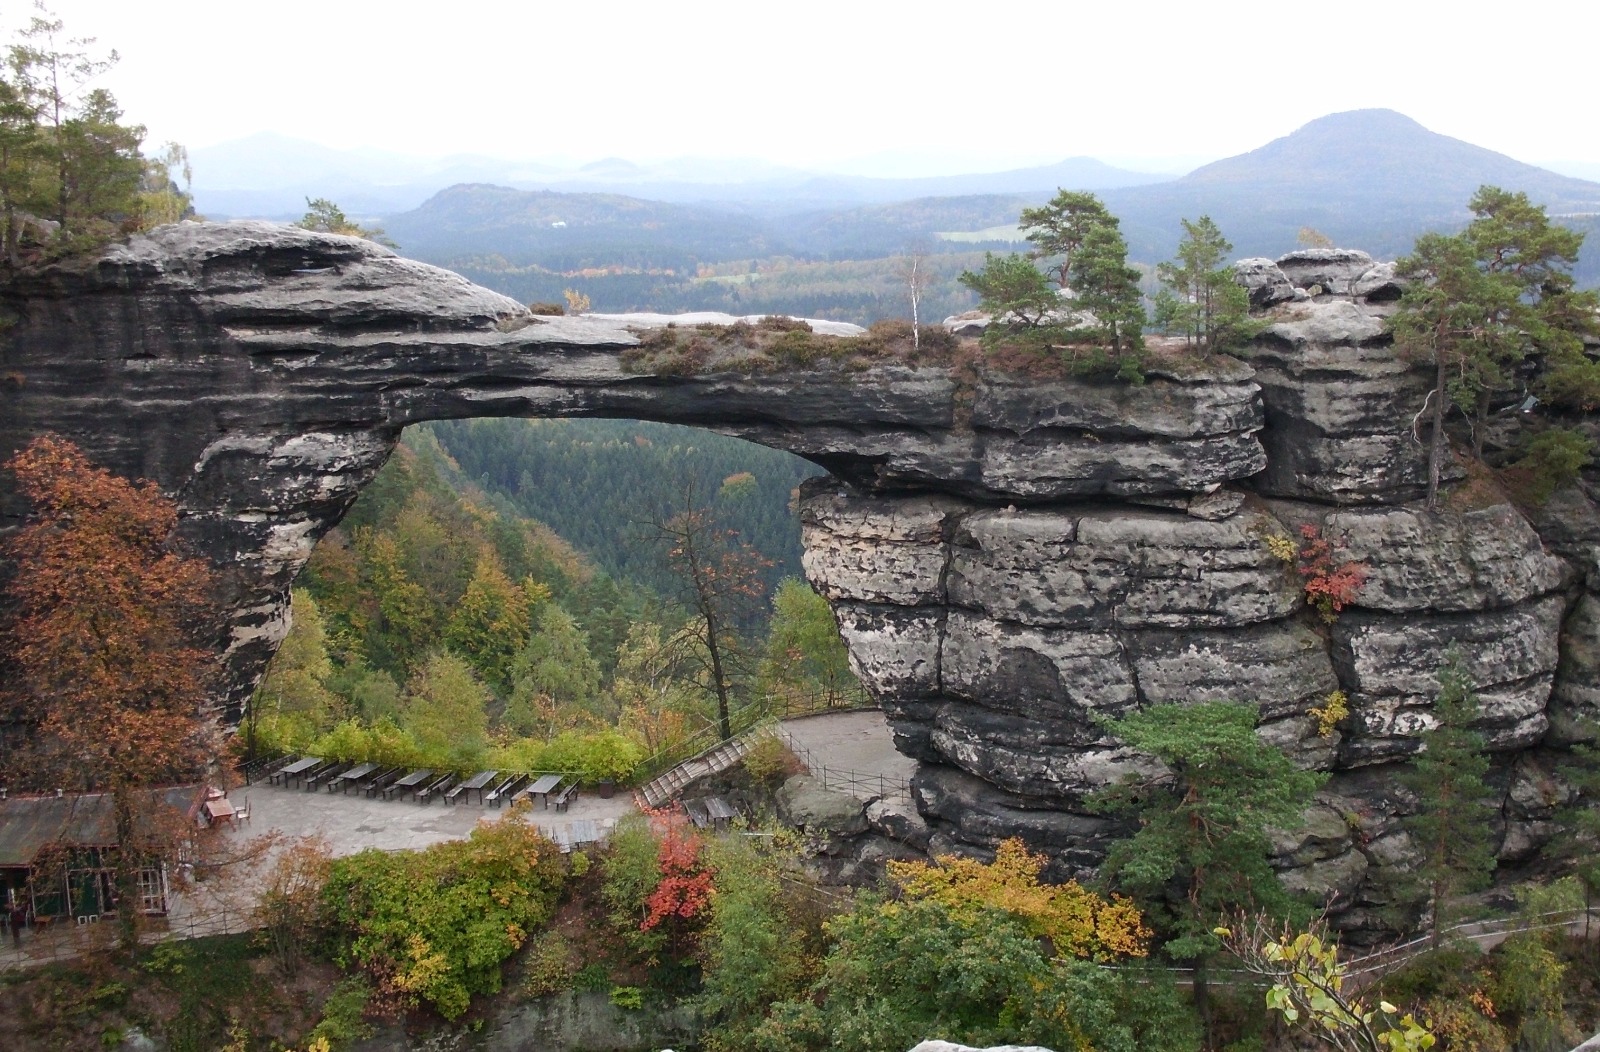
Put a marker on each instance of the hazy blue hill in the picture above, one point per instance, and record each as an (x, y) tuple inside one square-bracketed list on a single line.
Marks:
[(885, 229), (1381, 153), (840, 191), (1370, 179), (271, 175), (572, 231)]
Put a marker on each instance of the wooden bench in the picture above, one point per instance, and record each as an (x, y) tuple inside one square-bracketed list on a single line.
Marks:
[(720, 812), (324, 776), (566, 796), (513, 782), (407, 783), (264, 765), (378, 782), (429, 792)]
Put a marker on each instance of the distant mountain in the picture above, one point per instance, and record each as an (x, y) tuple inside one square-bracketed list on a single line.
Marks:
[(561, 231), (271, 176), (885, 229), (1370, 179)]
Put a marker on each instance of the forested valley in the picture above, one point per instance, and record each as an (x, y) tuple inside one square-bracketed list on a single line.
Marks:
[(504, 594)]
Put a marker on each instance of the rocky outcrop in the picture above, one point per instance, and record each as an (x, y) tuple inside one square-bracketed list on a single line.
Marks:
[(1012, 562), (262, 374)]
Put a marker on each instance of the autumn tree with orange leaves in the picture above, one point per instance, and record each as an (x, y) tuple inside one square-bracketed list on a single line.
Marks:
[(104, 672)]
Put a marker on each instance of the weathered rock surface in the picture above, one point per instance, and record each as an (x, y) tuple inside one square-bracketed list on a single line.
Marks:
[(803, 802), (1011, 562), (1447, 561), (1264, 281), (1339, 406), (262, 374), (1330, 271)]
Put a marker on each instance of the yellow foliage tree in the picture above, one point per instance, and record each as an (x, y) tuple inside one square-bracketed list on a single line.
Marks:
[(1077, 922)]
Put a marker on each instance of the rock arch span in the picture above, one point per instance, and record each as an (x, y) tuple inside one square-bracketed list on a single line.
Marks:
[(1009, 558)]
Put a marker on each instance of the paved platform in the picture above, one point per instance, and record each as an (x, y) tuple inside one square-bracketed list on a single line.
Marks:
[(855, 742), (355, 822)]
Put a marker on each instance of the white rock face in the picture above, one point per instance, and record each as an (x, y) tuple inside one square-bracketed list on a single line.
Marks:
[(948, 1046), (645, 319)]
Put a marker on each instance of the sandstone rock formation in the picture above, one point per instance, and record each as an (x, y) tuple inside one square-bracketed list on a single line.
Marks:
[(1011, 561)]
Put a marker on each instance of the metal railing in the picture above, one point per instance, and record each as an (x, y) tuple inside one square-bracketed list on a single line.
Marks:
[(855, 783), (746, 718)]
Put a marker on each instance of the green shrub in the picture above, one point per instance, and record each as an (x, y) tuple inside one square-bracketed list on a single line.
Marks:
[(343, 1020), (603, 755), (382, 742), (1553, 459), (435, 925), (630, 872), (769, 762), (547, 967), (798, 347), (627, 997), (899, 971), (549, 310), (783, 323)]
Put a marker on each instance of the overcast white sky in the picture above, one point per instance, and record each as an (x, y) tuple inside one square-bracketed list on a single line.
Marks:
[(813, 83)]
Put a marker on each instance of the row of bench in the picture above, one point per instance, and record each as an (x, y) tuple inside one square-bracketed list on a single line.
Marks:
[(424, 784)]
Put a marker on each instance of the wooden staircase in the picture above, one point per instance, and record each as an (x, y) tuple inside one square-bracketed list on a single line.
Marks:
[(721, 756)]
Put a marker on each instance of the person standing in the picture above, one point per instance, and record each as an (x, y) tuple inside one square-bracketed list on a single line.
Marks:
[(19, 917)]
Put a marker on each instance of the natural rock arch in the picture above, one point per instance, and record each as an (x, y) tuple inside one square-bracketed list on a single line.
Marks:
[(1008, 557)]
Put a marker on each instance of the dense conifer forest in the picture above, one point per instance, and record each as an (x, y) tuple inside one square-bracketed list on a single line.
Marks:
[(596, 482)]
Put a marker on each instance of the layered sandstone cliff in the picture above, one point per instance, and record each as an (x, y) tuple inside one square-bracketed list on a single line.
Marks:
[(1011, 561)]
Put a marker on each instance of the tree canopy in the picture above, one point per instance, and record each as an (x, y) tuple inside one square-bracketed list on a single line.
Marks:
[(1451, 825), (104, 670), (72, 174), (1058, 229), (1200, 299), (1011, 288), (1202, 852), (1481, 302)]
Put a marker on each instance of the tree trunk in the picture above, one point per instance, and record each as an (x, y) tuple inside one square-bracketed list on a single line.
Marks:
[(1202, 998), (13, 237), (127, 871), (1436, 445), (916, 319), (1480, 425), (724, 724)]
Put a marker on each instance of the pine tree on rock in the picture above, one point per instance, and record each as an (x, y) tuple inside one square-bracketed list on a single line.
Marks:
[(1060, 228), (1106, 287), (1201, 300), (1201, 852), (1480, 303), (1451, 826), (1011, 289)]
